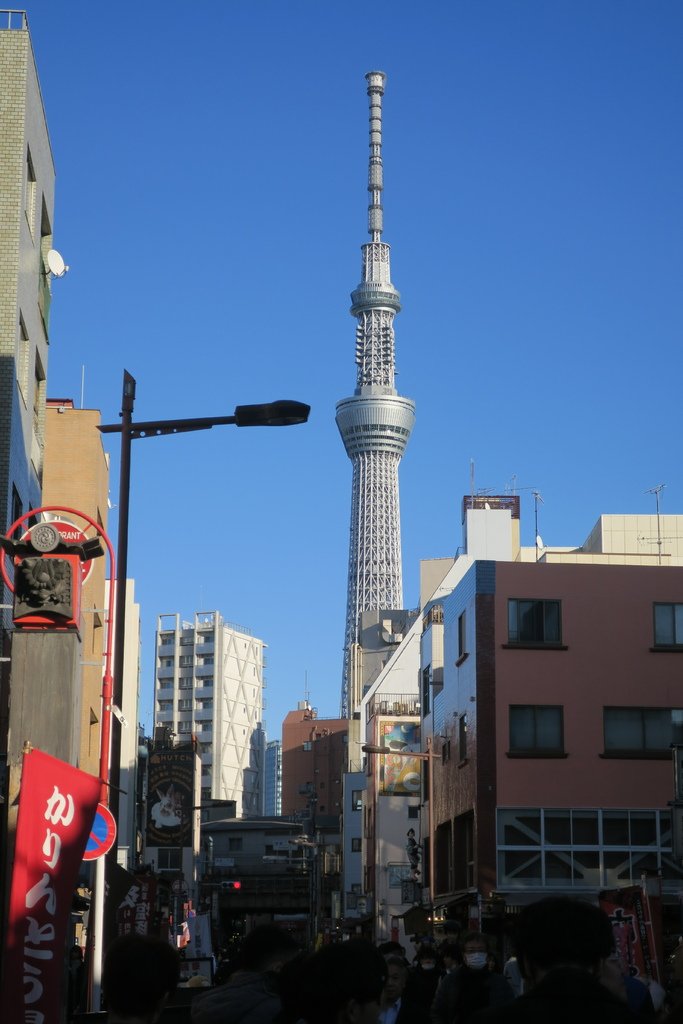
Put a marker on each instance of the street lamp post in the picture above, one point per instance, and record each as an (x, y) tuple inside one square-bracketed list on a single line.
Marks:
[(419, 755), (274, 414)]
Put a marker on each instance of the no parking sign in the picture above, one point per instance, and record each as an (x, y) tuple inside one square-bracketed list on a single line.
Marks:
[(102, 834)]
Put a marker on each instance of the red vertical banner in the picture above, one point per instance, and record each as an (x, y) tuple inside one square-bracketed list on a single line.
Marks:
[(629, 912), (57, 806)]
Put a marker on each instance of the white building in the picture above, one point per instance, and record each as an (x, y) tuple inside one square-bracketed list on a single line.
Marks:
[(209, 683)]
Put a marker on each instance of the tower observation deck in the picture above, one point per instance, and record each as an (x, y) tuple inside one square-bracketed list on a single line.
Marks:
[(375, 424)]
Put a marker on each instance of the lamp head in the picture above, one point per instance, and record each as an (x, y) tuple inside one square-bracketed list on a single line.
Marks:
[(283, 413)]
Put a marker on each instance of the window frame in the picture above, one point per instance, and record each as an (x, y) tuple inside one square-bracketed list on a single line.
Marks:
[(514, 638), (536, 750), (640, 752), (666, 645)]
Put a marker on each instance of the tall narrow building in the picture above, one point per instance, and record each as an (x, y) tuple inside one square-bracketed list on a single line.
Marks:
[(375, 424), (209, 683)]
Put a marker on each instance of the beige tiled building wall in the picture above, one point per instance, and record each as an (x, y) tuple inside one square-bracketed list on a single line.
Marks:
[(26, 213), (76, 475)]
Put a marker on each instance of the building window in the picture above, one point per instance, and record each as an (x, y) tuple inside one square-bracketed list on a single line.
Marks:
[(356, 799), (168, 860), (356, 844), (462, 647), (398, 873), (413, 812), (642, 730), (356, 888), (166, 638), (426, 674), (668, 625), (583, 848), (184, 726), (534, 622), (446, 752), (536, 729), (23, 359), (38, 395), (17, 505), (31, 191), (235, 844), (185, 660), (462, 737), (185, 704)]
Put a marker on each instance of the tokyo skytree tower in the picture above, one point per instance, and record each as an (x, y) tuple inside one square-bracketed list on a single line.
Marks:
[(375, 425)]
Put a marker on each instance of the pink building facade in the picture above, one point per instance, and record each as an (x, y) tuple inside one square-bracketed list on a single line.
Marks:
[(560, 699)]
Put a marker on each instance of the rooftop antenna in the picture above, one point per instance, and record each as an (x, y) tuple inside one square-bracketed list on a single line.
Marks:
[(82, 385), (657, 491), (539, 540), (307, 694), (472, 481)]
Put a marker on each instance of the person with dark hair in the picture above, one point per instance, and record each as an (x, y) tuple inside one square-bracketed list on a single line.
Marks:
[(425, 974), (140, 973), (562, 947), (339, 984), (450, 954), (396, 1006), (470, 987), (251, 995)]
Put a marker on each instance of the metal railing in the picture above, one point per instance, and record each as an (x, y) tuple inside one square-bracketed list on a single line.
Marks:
[(16, 20)]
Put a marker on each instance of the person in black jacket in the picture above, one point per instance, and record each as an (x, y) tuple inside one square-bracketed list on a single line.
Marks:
[(562, 946), (471, 987)]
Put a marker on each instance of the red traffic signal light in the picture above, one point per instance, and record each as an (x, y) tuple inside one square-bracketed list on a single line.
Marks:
[(231, 885)]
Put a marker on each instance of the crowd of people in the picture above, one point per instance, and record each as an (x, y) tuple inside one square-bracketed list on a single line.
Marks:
[(564, 971)]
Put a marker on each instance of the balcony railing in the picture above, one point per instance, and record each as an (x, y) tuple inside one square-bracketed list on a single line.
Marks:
[(394, 705)]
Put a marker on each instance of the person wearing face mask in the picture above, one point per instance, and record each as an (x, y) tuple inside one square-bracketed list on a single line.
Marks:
[(425, 975), (470, 988)]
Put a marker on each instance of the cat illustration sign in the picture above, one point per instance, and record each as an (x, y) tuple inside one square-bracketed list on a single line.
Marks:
[(170, 791), (102, 834)]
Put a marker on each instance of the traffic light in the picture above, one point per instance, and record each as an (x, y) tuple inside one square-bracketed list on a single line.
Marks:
[(231, 886)]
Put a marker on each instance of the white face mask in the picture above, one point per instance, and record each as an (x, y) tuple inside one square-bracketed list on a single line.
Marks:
[(428, 965), (475, 960)]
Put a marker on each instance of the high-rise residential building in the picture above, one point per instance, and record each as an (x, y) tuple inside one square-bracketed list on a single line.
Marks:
[(375, 424), (27, 178), (273, 779), (209, 683)]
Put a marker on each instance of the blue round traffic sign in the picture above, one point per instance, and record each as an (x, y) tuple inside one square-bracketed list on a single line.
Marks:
[(102, 834)]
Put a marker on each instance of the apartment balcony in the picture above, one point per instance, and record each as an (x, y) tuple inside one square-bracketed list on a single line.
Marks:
[(203, 692), (165, 650), (167, 672), (394, 705), (204, 670), (165, 717), (164, 693), (203, 715)]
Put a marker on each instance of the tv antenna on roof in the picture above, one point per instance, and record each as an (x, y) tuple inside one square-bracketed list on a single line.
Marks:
[(657, 491), (539, 542)]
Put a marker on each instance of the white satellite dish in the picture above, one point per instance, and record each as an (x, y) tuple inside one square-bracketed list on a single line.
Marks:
[(539, 542), (56, 264)]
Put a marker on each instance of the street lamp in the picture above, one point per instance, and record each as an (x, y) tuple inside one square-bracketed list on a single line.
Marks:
[(273, 414), (419, 755)]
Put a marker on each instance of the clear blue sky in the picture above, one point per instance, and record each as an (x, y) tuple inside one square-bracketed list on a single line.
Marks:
[(211, 201)]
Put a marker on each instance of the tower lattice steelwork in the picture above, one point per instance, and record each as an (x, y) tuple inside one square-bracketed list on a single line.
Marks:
[(375, 425)]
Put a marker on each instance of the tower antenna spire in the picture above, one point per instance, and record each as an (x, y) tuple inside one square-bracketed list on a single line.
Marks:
[(375, 80), (375, 424)]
